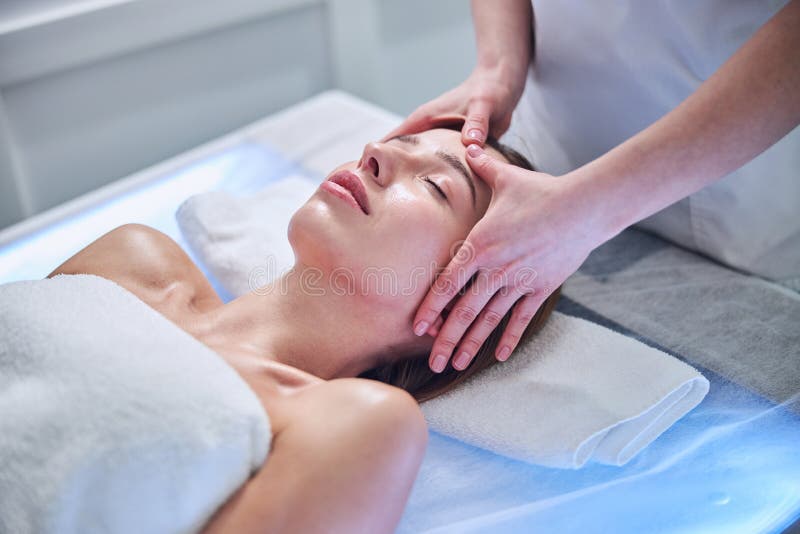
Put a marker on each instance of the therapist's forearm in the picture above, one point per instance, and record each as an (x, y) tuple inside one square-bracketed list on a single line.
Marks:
[(751, 102), (503, 30)]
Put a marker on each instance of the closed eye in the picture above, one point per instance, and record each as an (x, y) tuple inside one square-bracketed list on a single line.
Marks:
[(438, 189)]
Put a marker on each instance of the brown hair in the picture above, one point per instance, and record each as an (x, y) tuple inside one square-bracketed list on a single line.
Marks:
[(414, 375)]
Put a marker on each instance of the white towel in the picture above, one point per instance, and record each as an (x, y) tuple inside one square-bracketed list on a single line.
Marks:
[(112, 418), (579, 391), (242, 240)]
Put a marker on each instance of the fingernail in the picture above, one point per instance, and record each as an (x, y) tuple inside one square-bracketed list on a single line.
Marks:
[(474, 134), (461, 361), (474, 150), (504, 353), (420, 328), (439, 362)]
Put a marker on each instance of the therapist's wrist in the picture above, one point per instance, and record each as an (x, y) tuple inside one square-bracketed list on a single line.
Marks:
[(502, 70), (602, 211), (503, 36)]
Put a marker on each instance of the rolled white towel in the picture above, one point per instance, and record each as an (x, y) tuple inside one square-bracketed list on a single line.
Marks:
[(242, 240), (112, 418)]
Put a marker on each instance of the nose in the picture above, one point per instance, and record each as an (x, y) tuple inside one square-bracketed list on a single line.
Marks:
[(382, 162), (374, 163)]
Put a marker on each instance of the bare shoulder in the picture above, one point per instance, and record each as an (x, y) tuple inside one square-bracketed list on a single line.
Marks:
[(346, 462), (141, 259), (355, 403)]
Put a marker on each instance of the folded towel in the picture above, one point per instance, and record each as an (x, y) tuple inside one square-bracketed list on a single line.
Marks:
[(576, 392), (242, 240), (112, 418)]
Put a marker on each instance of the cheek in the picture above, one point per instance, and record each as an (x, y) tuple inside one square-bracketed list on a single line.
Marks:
[(391, 257), (414, 236)]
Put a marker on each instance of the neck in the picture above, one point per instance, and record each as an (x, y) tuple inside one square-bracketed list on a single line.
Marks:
[(313, 329)]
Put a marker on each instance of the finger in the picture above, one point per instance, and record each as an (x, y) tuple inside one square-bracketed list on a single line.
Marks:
[(433, 330), (460, 319), (445, 287), (421, 119), (476, 127), (412, 124), (485, 166), (523, 313), (484, 325)]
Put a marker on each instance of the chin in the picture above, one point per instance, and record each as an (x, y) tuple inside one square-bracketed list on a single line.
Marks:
[(316, 237), (323, 241)]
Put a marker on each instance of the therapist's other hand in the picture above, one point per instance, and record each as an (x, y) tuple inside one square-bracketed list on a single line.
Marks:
[(537, 231), (484, 101)]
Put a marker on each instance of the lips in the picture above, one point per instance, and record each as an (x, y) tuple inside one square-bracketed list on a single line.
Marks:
[(352, 183)]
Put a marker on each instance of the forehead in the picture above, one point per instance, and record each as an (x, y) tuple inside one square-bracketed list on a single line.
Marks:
[(451, 141)]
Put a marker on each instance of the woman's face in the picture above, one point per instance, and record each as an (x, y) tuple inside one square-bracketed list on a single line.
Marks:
[(389, 255)]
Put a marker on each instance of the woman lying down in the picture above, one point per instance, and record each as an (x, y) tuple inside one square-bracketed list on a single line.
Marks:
[(345, 450)]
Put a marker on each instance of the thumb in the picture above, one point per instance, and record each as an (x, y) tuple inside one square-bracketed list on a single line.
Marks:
[(476, 127), (484, 165)]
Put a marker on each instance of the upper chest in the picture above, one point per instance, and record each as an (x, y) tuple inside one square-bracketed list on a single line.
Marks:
[(155, 269)]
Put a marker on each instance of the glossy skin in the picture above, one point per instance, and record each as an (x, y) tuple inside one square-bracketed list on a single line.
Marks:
[(408, 237), (549, 225), (300, 350)]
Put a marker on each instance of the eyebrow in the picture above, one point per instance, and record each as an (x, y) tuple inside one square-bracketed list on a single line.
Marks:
[(450, 159), (410, 139)]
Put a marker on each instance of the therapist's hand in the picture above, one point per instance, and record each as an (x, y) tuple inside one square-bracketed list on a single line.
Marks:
[(484, 101), (537, 231)]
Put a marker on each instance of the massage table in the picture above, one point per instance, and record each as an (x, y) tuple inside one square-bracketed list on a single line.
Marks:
[(730, 465)]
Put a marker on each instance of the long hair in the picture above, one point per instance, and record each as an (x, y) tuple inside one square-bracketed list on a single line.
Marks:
[(414, 374)]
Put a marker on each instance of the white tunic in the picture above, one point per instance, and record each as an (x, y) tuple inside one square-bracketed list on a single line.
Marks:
[(604, 70)]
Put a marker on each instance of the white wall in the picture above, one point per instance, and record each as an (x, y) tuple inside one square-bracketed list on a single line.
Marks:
[(93, 90), (413, 49)]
